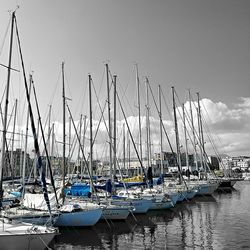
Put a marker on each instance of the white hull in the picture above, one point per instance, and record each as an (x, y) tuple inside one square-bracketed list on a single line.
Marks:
[(141, 205), (25, 236), (160, 205), (30, 216), (113, 212), (83, 218), (208, 188)]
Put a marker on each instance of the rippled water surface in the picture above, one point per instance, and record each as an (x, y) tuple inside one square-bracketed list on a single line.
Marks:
[(221, 221)]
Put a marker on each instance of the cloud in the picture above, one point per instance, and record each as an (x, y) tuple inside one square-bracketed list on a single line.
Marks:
[(225, 128), (228, 127), (245, 102)]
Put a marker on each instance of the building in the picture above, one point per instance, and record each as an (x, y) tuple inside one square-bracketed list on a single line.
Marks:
[(14, 163)]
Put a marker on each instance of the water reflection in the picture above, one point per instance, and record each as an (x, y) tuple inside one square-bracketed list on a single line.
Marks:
[(72, 238), (220, 221)]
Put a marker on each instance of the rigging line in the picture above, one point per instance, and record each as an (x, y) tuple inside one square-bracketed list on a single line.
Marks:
[(126, 98), (21, 90), (211, 122), (10, 68), (36, 146), (54, 92), (165, 102), (189, 120), (207, 128), (200, 145), (213, 145), (85, 160), (44, 141), (210, 137), (182, 119), (123, 91), (11, 114), (131, 137), (67, 85), (16, 133), (5, 35), (158, 111), (73, 144), (102, 81), (102, 114), (47, 140), (97, 97), (119, 146), (3, 95), (80, 101), (7, 143)]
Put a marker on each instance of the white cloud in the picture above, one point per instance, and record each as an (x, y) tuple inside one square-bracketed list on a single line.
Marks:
[(245, 102), (227, 127)]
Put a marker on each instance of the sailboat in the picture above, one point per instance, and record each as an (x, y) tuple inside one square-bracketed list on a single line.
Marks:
[(25, 236), (110, 211), (73, 212), (33, 207), (20, 235)]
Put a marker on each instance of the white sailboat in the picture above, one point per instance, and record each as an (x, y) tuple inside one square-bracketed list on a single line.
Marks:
[(20, 235), (25, 236), (73, 212)]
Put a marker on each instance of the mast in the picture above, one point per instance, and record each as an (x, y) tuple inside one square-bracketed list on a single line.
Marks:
[(64, 141), (160, 115), (177, 136), (128, 150), (78, 154), (185, 138), (33, 128), (44, 142), (52, 143), (114, 140), (124, 147), (148, 125), (201, 139), (68, 158), (85, 160), (139, 109), (130, 134), (83, 141), (13, 140), (48, 140), (26, 140), (6, 111), (109, 126), (193, 131), (91, 132)]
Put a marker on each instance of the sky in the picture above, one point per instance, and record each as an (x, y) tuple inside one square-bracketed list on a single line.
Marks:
[(201, 45)]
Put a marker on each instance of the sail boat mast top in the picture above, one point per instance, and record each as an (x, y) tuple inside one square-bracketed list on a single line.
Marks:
[(64, 142), (2, 162)]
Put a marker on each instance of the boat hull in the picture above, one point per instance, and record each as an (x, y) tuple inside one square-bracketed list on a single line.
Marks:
[(115, 213), (84, 218), (207, 189), (190, 194), (25, 236), (31, 216), (141, 205), (37, 220), (174, 197), (160, 205), (33, 241)]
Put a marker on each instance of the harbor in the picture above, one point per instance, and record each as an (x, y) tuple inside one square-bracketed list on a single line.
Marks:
[(220, 221), (120, 155)]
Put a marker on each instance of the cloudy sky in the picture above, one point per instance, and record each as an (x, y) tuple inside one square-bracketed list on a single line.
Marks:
[(201, 45)]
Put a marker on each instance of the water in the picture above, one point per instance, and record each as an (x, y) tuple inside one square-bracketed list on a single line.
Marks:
[(221, 221)]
